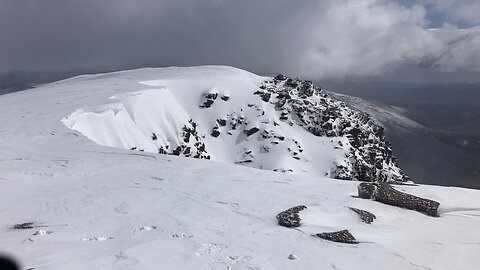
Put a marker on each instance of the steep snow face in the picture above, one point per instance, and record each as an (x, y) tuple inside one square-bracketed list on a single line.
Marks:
[(233, 116)]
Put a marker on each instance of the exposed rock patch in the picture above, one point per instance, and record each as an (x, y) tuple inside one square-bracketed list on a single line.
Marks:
[(365, 216), (208, 99), (292, 257), (369, 156), (23, 226), (290, 218), (343, 236), (280, 77), (252, 131)]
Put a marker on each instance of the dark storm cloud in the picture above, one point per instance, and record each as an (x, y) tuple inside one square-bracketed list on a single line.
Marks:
[(310, 38)]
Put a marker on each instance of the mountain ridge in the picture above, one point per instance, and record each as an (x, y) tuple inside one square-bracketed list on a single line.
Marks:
[(274, 123)]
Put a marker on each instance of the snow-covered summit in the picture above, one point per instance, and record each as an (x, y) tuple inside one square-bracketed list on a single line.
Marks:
[(70, 203), (230, 115)]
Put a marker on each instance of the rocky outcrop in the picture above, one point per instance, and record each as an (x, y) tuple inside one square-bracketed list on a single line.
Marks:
[(191, 144), (290, 218), (363, 153), (385, 193), (370, 156), (208, 99), (343, 236), (365, 216)]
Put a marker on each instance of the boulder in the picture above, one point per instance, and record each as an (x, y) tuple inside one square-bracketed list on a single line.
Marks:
[(215, 133), (252, 131), (225, 97), (386, 194), (290, 217), (343, 236)]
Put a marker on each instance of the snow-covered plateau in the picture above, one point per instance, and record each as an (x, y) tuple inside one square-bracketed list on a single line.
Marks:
[(94, 174)]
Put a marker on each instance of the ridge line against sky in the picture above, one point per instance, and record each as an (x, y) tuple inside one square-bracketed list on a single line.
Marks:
[(314, 39)]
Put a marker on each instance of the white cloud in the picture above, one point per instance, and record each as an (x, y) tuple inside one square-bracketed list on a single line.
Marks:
[(308, 38), (370, 37)]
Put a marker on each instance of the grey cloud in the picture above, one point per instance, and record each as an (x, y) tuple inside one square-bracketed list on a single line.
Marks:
[(316, 39)]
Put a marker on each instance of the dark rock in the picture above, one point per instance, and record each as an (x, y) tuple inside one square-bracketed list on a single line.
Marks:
[(244, 161), (340, 237), (388, 195), (292, 257), (154, 136), (291, 83), (162, 151), (23, 226), (264, 95), (177, 151), (215, 133), (252, 131), (385, 193), (280, 77), (290, 218), (209, 99), (222, 122), (225, 98), (366, 190), (365, 216)]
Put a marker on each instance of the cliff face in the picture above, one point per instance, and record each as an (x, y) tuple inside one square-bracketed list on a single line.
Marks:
[(370, 156)]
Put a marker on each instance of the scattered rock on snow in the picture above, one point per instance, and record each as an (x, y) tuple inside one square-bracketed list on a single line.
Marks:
[(365, 216), (208, 99), (343, 236), (252, 131), (386, 194), (290, 218), (292, 257), (215, 133), (23, 226)]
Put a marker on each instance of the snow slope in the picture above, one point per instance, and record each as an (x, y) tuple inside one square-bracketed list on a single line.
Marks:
[(98, 207)]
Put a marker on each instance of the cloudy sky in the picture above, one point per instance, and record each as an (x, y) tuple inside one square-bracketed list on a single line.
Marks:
[(316, 39)]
